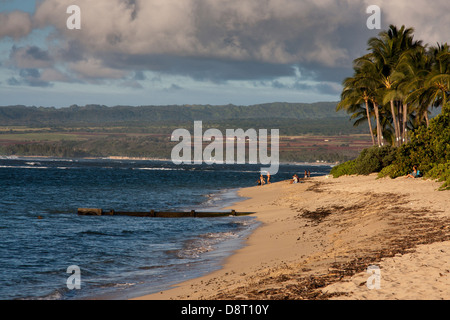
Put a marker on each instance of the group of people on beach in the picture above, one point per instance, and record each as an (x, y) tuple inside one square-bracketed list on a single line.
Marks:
[(261, 181), (296, 179)]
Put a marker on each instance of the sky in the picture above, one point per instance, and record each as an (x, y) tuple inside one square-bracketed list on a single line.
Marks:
[(163, 52)]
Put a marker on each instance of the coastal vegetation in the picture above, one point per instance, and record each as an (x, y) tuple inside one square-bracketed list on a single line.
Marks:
[(168, 116), (394, 89)]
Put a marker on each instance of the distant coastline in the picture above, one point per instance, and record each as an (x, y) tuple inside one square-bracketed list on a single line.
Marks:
[(317, 163)]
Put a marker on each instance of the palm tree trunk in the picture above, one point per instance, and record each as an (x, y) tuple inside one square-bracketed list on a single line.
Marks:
[(370, 123), (377, 117), (400, 122), (405, 120), (394, 120), (444, 99)]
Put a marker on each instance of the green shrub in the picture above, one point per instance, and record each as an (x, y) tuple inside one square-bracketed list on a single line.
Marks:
[(389, 171), (343, 169), (429, 149), (441, 172), (369, 161), (374, 159)]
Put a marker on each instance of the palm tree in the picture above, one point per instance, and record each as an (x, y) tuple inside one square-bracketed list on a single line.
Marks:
[(397, 82), (370, 78), (386, 53), (412, 72), (437, 83), (353, 95)]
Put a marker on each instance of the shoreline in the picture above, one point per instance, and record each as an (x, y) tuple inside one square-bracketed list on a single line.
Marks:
[(299, 163), (316, 240)]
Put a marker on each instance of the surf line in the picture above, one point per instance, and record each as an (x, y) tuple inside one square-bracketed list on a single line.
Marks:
[(236, 142)]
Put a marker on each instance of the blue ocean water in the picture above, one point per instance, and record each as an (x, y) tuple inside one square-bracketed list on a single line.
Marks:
[(119, 257)]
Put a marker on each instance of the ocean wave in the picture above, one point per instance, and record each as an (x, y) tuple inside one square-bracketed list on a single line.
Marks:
[(25, 167), (33, 163), (195, 248), (160, 169), (95, 233), (57, 294), (114, 285)]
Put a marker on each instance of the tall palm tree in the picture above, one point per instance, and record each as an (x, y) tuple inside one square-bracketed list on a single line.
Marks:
[(353, 95), (437, 83), (412, 71), (370, 77), (386, 51), (397, 82)]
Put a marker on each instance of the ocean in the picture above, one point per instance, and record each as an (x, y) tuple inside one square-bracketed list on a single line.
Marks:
[(119, 257)]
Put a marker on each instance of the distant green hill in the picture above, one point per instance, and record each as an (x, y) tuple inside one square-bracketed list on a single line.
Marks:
[(144, 115), (144, 131)]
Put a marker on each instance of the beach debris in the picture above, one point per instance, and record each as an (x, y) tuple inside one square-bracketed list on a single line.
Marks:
[(404, 228)]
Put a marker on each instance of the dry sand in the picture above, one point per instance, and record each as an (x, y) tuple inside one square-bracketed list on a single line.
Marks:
[(318, 238)]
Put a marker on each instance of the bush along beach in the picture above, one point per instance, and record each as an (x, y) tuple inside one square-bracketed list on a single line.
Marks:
[(393, 90)]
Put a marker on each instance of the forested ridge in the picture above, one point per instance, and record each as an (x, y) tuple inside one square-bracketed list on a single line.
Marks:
[(142, 115)]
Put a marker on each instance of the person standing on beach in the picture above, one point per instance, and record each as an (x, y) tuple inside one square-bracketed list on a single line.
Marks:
[(261, 178), (268, 177)]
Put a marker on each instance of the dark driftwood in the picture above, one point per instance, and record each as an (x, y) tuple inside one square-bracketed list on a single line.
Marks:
[(159, 214)]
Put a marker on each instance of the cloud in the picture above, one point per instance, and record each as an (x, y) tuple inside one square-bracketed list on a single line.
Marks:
[(174, 87), (94, 69), (15, 24), (30, 57), (430, 20), (268, 31), (211, 40), (131, 84), (29, 77), (207, 40)]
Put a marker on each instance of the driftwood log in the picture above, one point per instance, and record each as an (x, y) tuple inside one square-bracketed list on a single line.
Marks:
[(159, 214)]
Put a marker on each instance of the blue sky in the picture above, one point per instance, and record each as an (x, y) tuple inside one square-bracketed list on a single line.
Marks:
[(22, 5), (161, 52)]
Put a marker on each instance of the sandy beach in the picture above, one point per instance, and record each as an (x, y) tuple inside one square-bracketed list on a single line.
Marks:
[(317, 240)]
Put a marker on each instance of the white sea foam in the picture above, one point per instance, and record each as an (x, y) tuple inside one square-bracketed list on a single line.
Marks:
[(25, 167), (160, 169)]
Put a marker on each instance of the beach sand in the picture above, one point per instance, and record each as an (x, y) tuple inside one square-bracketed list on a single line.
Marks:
[(317, 240)]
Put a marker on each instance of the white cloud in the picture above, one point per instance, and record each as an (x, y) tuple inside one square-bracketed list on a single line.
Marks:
[(214, 40), (430, 19), (15, 24), (93, 69), (275, 31), (30, 57)]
